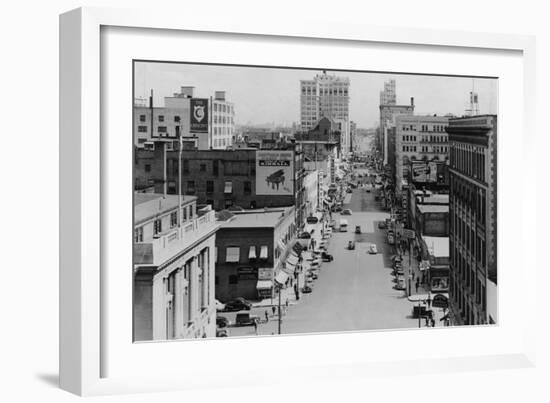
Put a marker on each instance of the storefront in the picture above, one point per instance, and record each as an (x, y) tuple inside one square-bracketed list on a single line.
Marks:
[(264, 286)]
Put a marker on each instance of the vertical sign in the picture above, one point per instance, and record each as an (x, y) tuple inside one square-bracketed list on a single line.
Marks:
[(199, 115)]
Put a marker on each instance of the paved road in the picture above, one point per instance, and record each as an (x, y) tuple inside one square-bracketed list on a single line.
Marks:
[(355, 291)]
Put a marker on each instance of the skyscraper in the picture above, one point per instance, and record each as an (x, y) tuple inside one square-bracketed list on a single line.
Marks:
[(326, 96)]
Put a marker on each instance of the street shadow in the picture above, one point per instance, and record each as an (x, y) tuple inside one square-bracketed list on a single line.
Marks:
[(49, 379)]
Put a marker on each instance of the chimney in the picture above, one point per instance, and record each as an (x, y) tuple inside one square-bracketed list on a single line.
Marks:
[(412, 101)]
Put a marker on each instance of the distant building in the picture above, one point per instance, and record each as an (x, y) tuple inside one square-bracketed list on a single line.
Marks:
[(388, 95), (326, 96), (172, 120), (387, 116), (421, 145), (253, 249), (173, 268), (473, 223), (223, 122)]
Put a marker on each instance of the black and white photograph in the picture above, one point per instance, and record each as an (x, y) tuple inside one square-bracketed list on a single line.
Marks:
[(276, 201)]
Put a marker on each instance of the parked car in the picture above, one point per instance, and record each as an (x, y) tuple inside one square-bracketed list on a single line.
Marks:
[(346, 212), (222, 321), (312, 219), (219, 306), (372, 249), (305, 235), (238, 304), (381, 225), (313, 275), (357, 229), (246, 319), (351, 245), (348, 190), (307, 289), (326, 257), (367, 190), (400, 283), (332, 223), (222, 332)]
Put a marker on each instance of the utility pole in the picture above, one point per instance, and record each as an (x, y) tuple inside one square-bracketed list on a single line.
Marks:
[(280, 319)]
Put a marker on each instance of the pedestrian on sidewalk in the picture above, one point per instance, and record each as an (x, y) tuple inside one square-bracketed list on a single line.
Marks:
[(416, 286), (266, 317), (273, 309), (427, 321), (286, 303), (256, 327), (413, 275), (433, 322)]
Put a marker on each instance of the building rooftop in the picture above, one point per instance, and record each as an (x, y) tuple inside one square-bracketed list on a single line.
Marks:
[(431, 208), (437, 245), (149, 205), (256, 218)]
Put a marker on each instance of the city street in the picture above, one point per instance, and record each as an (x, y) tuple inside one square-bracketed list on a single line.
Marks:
[(353, 292)]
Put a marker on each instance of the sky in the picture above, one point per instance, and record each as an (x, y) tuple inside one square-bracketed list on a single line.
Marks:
[(262, 95)]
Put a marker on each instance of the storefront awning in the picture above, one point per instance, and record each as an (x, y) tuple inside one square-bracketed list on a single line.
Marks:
[(264, 285), (263, 252), (297, 247), (281, 244), (232, 255), (228, 187), (291, 259), (252, 252), (281, 277)]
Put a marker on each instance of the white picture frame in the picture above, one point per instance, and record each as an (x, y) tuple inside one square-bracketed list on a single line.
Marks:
[(83, 307)]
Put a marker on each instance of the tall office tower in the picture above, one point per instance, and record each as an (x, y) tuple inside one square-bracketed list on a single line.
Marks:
[(327, 96), (387, 96), (473, 224)]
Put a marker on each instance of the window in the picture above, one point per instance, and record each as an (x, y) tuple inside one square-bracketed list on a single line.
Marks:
[(161, 118), (142, 118), (142, 129), (232, 254), (216, 280), (203, 167), (138, 234), (215, 167), (228, 188), (209, 186), (147, 167), (173, 219), (247, 187), (162, 129), (176, 118), (190, 187), (185, 166), (158, 227), (233, 279)]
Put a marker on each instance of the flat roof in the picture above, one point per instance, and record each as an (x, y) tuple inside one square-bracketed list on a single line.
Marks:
[(433, 208), (256, 219), (149, 205), (435, 198), (437, 245)]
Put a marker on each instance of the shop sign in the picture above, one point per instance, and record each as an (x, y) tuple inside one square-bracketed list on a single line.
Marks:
[(247, 273), (265, 273)]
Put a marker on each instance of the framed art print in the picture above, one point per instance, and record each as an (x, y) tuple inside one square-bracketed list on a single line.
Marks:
[(242, 192)]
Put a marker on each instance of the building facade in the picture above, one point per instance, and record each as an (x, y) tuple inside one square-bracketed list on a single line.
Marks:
[(223, 122), (473, 220), (387, 116), (419, 141), (252, 249), (388, 95), (172, 120), (326, 96), (174, 247)]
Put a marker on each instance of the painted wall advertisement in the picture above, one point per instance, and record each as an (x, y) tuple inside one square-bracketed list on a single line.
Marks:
[(274, 172), (199, 115), (424, 171)]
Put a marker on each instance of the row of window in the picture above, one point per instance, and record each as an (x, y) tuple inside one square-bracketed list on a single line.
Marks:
[(325, 91), (465, 305), (409, 138), (173, 221), (433, 128), (223, 108), (143, 118), (223, 119), (470, 160), (409, 149), (209, 187)]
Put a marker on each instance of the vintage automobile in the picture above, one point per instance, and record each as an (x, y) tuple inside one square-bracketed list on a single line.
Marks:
[(326, 257), (246, 319), (238, 304), (372, 249), (307, 289), (351, 245), (222, 321), (357, 229)]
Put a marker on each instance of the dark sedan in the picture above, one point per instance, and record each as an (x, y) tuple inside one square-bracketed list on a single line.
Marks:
[(238, 304)]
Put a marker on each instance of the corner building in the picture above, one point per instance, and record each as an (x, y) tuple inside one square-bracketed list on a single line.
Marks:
[(473, 220)]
